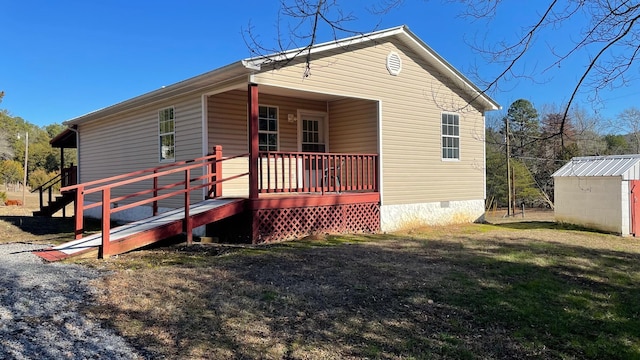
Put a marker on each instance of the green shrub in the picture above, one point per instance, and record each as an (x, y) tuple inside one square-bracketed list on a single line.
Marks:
[(39, 177), (3, 197)]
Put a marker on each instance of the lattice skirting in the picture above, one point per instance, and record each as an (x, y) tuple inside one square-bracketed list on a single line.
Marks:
[(293, 223)]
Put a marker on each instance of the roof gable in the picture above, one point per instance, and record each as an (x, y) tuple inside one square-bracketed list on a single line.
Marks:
[(403, 34), (247, 66)]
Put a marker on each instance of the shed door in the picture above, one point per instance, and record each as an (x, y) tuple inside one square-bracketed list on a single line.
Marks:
[(635, 207)]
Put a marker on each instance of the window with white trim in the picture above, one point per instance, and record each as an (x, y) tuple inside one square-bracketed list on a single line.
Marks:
[(450, 136), (267, 128), (166, 130)]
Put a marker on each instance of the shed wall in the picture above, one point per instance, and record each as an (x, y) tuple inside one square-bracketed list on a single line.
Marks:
[(596, 202)]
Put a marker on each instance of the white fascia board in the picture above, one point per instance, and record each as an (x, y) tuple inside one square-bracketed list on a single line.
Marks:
[(255, 63), (180, 88)]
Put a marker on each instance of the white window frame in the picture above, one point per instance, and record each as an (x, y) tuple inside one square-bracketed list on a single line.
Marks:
[(269, 132), (447, 133), (162, 134)]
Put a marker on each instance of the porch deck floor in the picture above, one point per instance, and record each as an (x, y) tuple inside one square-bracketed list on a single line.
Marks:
[(121, 232)]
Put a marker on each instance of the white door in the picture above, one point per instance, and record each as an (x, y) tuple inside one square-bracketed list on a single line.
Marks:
[(313, 139)]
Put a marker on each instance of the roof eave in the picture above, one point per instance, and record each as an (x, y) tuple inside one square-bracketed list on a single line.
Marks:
[(478, 95), (258, 61), (196, 82)]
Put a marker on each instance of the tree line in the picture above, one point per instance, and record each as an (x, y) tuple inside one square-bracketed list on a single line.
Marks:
[(43, 161), (537, 142)]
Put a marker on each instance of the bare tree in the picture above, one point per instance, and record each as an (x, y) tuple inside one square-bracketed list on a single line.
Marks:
[(630, 120), (611, 37), (299, 23)]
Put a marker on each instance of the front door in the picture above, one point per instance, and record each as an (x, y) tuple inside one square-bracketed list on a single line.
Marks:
[(312, 135)]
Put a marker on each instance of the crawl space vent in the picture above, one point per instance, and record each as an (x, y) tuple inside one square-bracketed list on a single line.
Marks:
[(394, 64)]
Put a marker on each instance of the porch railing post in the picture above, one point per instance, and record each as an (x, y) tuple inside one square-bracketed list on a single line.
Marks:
[(376, 178), (41, 201), (154, 206), (106, 222), (78, 211), (73, 176), (253, 140), (217, 176)]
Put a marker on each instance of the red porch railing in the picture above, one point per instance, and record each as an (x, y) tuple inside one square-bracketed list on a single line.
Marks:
[(316, 172), (211, 179)]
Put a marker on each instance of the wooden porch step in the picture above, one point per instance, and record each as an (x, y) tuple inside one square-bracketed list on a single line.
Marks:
[(56, 205), (147, 231)]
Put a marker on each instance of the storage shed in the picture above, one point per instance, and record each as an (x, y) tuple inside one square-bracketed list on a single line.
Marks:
[(600, 192)]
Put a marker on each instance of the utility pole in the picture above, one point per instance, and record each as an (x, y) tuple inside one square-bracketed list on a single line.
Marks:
[(24, 183), (508, 151)]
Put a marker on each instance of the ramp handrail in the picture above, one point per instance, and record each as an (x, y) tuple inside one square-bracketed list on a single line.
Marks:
[(211, 179)]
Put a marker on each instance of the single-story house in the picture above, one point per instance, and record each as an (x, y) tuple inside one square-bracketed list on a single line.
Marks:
[(382, 135), (599, 192)]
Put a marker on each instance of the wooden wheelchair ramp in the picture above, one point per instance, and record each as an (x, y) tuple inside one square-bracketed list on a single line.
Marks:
[(146, 231)]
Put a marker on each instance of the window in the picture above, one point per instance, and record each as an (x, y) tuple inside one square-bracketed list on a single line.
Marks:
[(267, 128), (312, 140), (166, 124), (450, 136)]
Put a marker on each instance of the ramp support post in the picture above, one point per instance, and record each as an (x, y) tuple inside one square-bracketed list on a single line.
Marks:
[(106, 222), (188, 222)]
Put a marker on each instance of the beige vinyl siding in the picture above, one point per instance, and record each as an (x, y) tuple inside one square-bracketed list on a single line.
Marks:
[(227, 120), (227, 123), (125, 143), (412, 103), (353, 126)]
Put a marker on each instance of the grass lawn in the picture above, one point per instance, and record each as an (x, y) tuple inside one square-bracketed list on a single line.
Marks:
[(516, 290)]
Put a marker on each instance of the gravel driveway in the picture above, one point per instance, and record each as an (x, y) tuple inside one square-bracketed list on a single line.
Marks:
[(40, 315)]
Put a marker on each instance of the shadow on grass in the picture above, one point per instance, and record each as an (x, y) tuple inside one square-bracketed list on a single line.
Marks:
[(40, 225), (551, 225), (55, 229), (389, 299)]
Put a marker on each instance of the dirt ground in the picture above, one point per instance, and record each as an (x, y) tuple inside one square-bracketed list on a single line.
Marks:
[(17, 223), (499, 216)]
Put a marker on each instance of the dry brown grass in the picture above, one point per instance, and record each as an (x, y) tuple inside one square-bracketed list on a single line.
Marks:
[(514, 290), (445, 292), (17, 223)]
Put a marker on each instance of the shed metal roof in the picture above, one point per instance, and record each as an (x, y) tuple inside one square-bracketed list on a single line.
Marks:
[(626, 166)]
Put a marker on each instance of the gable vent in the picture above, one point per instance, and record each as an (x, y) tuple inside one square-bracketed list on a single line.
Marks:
[(394, 63)]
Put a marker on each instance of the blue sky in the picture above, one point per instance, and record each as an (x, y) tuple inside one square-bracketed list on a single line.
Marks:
[(62, 59)]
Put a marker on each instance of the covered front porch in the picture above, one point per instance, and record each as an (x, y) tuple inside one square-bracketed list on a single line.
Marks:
[(313, 163)]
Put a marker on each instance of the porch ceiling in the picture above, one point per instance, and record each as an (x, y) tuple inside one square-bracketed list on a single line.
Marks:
[(280, 91), (66, 140)]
